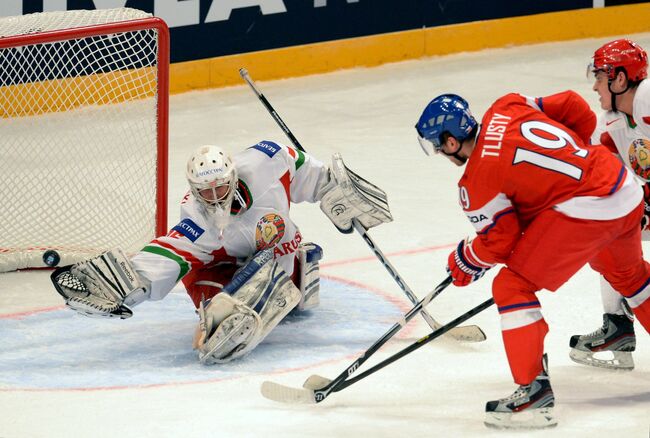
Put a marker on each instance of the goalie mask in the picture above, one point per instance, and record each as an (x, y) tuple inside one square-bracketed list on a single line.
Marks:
[(212, 176)]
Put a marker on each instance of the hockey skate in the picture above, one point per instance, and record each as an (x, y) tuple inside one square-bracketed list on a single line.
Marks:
[(529, 407), (615, 338)]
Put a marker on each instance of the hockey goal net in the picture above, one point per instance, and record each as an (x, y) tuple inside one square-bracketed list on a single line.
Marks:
[(83, 127)]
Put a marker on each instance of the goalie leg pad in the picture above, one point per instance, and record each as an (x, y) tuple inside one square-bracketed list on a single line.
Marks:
[(249, 283), (279, 299), (232, 326), (309, 255), (348, 196), (226, 329)]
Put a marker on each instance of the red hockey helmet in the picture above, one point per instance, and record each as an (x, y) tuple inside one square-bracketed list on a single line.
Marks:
[(624, 54)]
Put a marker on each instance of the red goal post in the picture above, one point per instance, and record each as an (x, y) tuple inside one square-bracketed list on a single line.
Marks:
[(84, 126)]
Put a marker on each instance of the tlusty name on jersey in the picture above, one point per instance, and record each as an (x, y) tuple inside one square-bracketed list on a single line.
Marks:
[(494, 135)]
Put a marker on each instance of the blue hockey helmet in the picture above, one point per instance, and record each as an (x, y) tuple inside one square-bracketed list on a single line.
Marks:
[(446, 113)]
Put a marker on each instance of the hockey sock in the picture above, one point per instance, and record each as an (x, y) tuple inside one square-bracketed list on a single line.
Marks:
[(525, 348), (522, 325)]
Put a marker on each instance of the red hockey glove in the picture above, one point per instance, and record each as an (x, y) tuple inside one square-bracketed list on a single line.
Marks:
[(645, 220), (464, 266)]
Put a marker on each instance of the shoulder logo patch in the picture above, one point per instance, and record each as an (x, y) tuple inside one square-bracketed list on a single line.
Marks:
[(189, 229), (267, 147)]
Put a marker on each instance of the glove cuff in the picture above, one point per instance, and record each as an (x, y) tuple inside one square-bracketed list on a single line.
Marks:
[(469, 258)]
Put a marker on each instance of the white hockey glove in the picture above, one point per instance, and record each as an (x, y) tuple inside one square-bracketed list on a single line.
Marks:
[(100, 287), (237, 319), (347, 196)]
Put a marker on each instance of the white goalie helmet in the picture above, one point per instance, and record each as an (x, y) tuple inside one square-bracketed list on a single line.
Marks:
[(212, 176)]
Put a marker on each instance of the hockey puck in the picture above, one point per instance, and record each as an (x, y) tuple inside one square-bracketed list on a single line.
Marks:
[(51, 258)]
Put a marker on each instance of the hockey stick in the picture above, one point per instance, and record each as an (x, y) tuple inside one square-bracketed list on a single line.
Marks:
[(245, 76), (317, 388), (269, 389), (469, 333)]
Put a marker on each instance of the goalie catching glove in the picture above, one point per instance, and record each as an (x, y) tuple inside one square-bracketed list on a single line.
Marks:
[(102, 286), (347, 196)]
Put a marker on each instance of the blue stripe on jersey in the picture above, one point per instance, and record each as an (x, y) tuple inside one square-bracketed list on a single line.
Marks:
[(494, 221), (618, 181), (267, 147)]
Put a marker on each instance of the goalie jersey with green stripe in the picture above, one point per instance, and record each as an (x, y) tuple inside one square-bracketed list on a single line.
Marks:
[(271, 177)]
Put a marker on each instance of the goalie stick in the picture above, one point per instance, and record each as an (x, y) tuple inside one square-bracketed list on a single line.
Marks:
[(470, 333), (317, 388)]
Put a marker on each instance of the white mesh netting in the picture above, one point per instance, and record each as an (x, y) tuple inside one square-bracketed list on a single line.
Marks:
[(49, 21), (79, 127)]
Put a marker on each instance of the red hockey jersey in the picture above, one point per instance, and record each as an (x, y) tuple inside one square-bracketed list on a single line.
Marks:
[(532, 154)]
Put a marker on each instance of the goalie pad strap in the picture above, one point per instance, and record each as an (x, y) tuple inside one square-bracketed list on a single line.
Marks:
[(348, 196)]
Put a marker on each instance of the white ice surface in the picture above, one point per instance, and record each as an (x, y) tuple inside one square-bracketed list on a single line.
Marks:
[(127, 388)]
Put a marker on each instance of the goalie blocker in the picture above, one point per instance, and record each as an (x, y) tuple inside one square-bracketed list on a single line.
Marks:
[(348, 196)]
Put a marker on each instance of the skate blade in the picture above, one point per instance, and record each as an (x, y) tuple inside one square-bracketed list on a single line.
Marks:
[(622, 360), (540, 418)]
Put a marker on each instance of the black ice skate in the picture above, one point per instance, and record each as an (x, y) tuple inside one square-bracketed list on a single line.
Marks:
[(616, 337), (529, 407)]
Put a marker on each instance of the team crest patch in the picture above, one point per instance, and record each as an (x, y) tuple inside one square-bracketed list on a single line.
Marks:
[(270, 230), (639, 153)]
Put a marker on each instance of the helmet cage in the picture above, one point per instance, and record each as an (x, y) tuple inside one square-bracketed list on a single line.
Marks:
[(210, 195)]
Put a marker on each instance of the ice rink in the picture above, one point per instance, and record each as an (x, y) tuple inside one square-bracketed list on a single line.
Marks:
[(63, 375)]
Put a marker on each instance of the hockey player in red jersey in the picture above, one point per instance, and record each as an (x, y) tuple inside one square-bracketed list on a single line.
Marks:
[(620, 70), (543, 204)]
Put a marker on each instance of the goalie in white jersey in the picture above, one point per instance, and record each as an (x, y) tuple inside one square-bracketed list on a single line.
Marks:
[(240, 256), (620, 69)]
